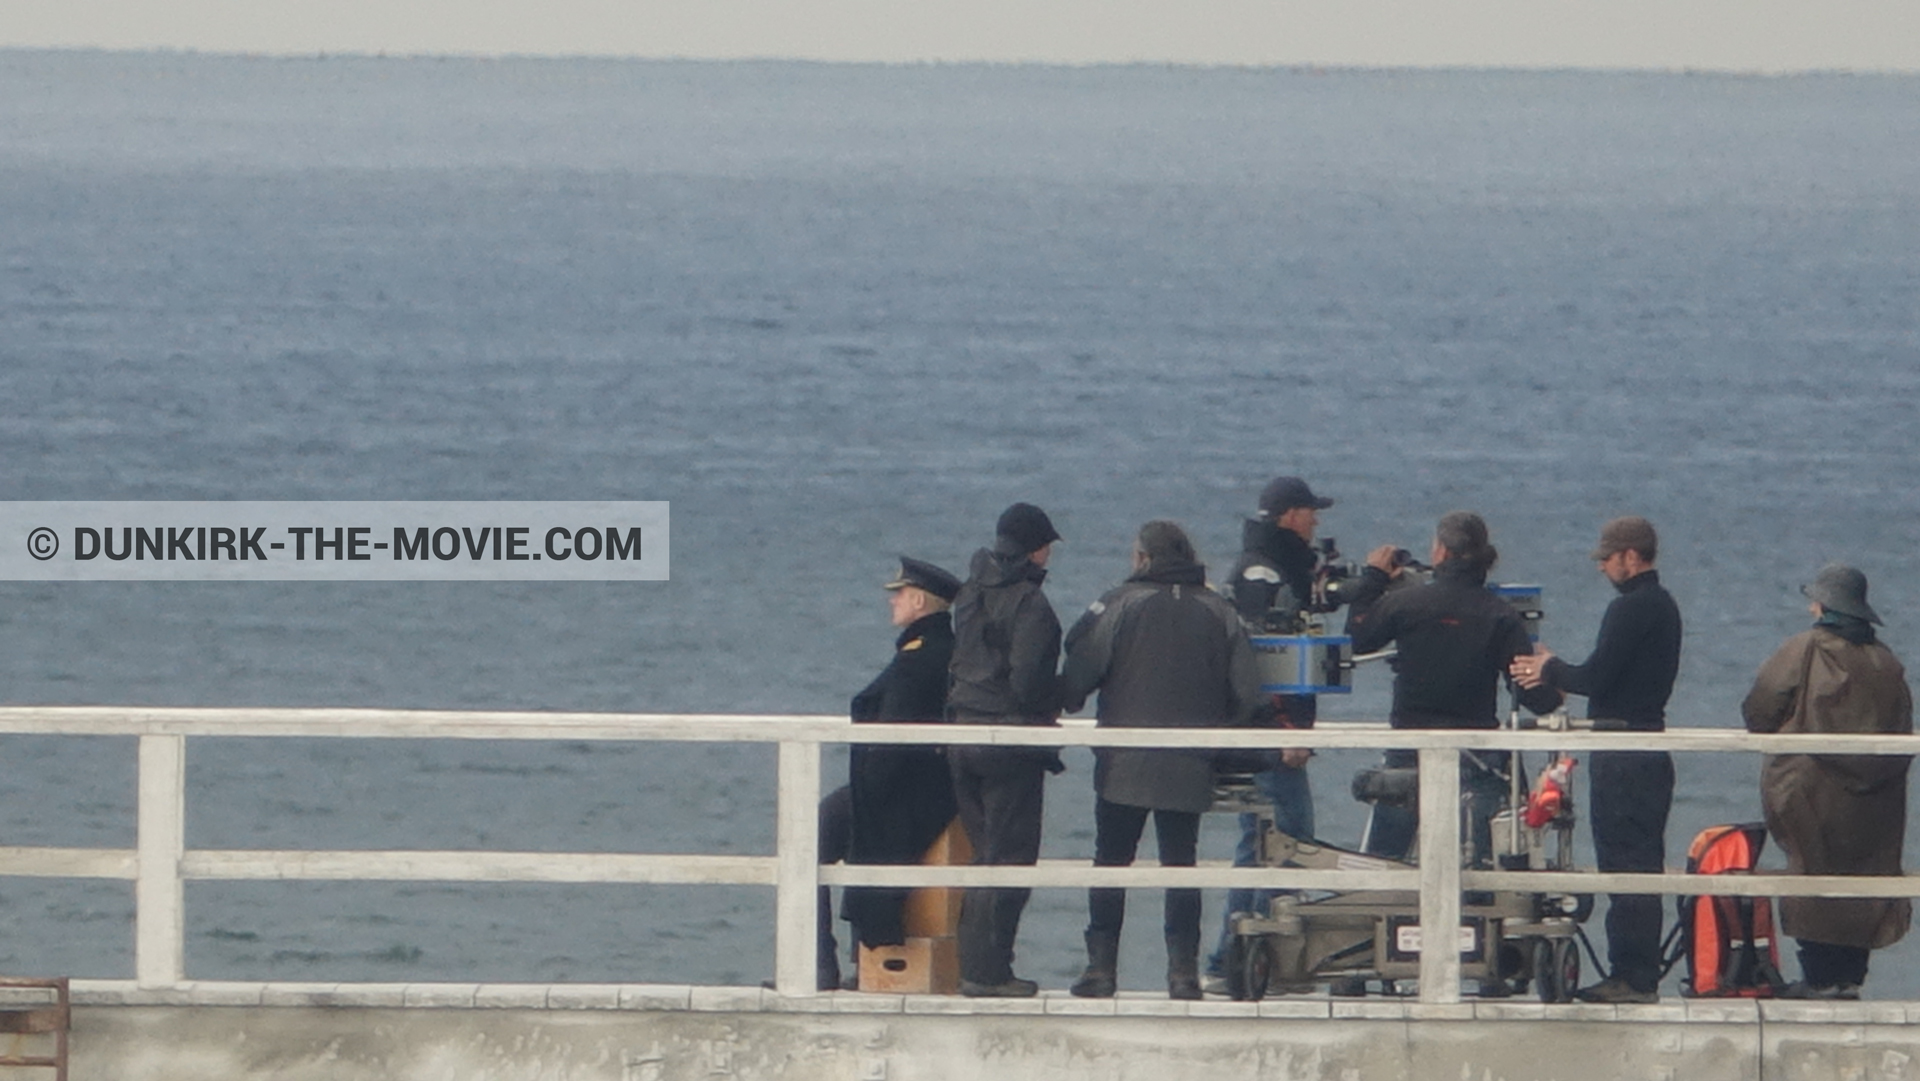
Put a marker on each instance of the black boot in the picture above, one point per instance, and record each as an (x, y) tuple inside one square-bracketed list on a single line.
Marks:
[(1182, 930), (1101, 978), (827, 962), (1183, 967)]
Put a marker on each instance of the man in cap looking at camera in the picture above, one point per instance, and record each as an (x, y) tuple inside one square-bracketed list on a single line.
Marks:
[(898, 798), (1271, 585), (1627, 680), (1006, 652), (1836, 814)]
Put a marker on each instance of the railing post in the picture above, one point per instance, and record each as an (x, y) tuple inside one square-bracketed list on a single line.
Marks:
[(160, 926), (1439, 874), (796, 901)]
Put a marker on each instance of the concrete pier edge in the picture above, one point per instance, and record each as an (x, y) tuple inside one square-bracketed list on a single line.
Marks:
[(214, 1030)]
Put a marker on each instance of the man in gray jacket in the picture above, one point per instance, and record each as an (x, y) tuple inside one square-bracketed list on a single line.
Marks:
[(1164, 651), (1006, 647)]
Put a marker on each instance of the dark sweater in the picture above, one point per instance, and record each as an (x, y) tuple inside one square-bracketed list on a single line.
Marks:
[(1629, 675)]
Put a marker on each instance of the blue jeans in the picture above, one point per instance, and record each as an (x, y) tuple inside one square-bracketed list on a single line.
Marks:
[(1292, 798)]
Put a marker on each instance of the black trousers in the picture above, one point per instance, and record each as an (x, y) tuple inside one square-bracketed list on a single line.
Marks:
[(998, 792), (1632, 793), (1117, 830), (836, 844), (1823, 964)]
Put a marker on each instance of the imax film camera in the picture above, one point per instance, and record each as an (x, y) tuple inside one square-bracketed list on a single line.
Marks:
[(1338, 578)]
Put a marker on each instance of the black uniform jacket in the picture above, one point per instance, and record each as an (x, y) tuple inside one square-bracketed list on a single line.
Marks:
[(1456, 640), (1629, 676), (902, 794)]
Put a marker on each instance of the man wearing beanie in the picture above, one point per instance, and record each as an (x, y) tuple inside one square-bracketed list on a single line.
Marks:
[(1626, 680), (1006, 651)]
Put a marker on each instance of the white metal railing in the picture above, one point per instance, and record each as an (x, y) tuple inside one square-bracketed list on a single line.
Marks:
[(161, 864)]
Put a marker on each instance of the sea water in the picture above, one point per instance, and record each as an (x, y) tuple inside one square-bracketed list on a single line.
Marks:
[(838, 313)]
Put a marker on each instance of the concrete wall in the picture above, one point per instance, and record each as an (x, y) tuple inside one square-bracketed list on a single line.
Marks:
[(716, 1034)]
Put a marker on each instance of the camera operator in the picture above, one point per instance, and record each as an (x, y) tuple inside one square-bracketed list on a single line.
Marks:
[(1455, 641), (1272, 587)]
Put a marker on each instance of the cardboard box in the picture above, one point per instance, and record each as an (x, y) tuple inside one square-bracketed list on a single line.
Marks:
[(920, 966), (935, 912)]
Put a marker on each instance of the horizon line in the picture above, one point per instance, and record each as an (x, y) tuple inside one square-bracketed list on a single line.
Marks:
[(1294, 67)]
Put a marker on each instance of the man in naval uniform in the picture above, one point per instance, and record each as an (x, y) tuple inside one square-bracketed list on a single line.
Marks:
[(898, 797)]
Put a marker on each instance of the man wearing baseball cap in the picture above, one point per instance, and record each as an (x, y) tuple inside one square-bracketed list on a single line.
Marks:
[(1627, 680), (1271, 586), (1006, 652)]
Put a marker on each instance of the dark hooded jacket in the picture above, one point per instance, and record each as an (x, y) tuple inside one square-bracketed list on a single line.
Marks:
[(1164, 651), (1006, 643), (1271, 584), (1836, 814), (902, 796), (1456, 641), (1273, 579)]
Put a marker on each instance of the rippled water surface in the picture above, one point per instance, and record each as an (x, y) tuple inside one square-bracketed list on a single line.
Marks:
[(834, 313)]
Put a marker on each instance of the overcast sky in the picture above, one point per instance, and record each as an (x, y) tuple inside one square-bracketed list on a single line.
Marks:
[(1743, 35)]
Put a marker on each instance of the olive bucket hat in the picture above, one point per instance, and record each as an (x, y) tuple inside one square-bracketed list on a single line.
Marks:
[(1843, 589)]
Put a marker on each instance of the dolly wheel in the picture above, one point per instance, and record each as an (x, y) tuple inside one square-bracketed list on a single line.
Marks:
[(1557, 969), (1249, 967)]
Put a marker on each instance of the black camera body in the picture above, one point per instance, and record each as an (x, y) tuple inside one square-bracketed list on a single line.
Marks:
[(1338, 579)]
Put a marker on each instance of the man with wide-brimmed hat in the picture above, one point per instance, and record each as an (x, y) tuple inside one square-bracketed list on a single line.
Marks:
[(1627, 680), (1836, 814)]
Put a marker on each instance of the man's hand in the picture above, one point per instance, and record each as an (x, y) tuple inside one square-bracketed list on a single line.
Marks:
[(1527, 670), (1381, 558), (1295, 757)]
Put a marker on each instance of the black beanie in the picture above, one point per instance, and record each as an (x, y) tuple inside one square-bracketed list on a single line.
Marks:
[(1027, 527)]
